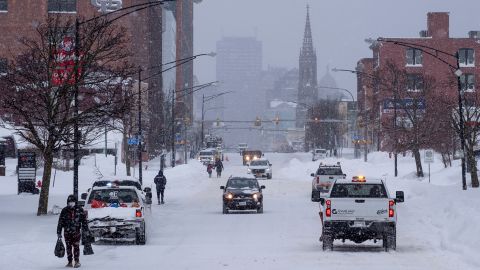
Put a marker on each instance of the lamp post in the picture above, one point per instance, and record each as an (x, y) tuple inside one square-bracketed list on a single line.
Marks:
[(206, 99), (458, 73)]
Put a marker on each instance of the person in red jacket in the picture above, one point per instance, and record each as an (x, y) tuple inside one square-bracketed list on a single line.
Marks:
[(72, 220)]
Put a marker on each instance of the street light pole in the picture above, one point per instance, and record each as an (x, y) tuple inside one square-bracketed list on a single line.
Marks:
[(203, 118), (76, 158)]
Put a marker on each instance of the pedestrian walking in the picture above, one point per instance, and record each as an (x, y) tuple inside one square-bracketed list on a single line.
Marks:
[(160, 183), (219, 167), (72, 220), (209, 170)]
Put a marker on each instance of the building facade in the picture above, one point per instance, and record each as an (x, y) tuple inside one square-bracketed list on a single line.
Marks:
[(419, 62), (144, 32)]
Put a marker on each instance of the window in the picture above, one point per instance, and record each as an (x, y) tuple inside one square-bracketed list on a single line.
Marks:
[(3, 66), (62, 5), (467, 57), (467, 82), (3, 5), (414, 82), (414, 57)]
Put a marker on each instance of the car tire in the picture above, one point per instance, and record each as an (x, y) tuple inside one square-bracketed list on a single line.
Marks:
[(269, 176), (260, 210), (141, 235), (327, 243), (225, 209)]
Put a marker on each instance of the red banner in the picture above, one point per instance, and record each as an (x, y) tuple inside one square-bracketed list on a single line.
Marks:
[(64, 57)]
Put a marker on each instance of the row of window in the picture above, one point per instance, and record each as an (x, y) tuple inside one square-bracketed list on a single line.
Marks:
[(415, 82), (415, 57), (53, 5)]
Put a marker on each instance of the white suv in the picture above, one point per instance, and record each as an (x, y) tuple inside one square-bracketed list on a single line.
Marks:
[(260, 168), (319, 154)]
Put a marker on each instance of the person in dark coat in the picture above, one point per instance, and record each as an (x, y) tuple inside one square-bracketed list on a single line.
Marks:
[(72, 220), (160, 183), (219, 167), (209, 169)]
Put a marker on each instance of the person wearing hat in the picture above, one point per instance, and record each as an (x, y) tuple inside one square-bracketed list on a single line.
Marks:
[(72, 220), (160, 182)]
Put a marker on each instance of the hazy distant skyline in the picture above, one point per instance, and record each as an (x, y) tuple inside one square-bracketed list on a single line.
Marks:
[(339, 28)]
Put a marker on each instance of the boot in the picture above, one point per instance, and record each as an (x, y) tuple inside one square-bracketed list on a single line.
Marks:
[(77, 264), (69, 264), (162, 202)]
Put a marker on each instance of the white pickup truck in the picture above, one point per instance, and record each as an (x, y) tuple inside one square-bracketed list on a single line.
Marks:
[(324, 177), (360, 209), (116, 213)]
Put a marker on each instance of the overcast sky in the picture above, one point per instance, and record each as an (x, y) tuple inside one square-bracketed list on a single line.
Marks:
[(339, 28)]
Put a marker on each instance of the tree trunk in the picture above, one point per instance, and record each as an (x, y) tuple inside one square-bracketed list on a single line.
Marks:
[(472, 163), (47, 173), (418, 162)]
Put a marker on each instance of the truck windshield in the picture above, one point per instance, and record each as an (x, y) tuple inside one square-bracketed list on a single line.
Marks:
[(320, 151), (206, 153), (329, 171), (113, 196), (358, 191)]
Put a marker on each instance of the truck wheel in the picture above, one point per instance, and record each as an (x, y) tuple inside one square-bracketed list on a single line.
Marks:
[(225, 210), (315, 196), (390, 239), (141, 235), (327, 243)]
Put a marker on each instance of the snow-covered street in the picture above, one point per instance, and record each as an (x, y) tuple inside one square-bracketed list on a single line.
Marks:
[(190, 232)]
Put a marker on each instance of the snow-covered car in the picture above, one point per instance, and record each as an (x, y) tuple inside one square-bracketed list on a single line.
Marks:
[(260, 168), (323, 178), (116, 213), (207, 156), (120, 181), (242, 193), (360, 209), (319, 154)]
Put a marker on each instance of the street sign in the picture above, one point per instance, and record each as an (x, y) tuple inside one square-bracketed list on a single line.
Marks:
[(429, 158), (403, 104), (133, 141)]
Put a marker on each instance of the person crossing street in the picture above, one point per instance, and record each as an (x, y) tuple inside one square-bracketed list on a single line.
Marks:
[(219, 167)]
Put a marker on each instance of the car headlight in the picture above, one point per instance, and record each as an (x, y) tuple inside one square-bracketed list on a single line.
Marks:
[(257, 196), (229, 196), (247, 158), (255, 157), (268, 169), (249, 170)]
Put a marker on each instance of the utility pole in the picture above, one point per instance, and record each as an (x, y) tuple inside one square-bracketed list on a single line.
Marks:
[(203, 118), (458, 72), (76, 158), (140, 124), (173, 128)]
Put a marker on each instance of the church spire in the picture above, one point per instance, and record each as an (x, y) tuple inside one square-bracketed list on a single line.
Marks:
[(307, 37)]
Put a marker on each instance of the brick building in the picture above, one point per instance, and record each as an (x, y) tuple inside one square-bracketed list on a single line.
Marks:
[(19, 18), (418, 64)]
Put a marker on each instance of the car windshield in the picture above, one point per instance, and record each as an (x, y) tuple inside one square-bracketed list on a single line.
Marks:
[(128, 183), (329, 171), (259, 163), (320, 151), (206, 153), (358, 191), (113, 196), (242, 183)]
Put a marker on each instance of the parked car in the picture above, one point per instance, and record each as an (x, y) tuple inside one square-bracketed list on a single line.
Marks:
[(242, 193), (319, 154)]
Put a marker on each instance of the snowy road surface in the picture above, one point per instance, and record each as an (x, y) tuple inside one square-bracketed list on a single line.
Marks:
[(190, 232)]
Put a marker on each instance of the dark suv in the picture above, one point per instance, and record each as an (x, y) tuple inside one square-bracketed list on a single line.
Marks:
[(242, 193)]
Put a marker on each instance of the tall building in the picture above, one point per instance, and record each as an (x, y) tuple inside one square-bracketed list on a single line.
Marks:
[(307, 84), (239, 69)]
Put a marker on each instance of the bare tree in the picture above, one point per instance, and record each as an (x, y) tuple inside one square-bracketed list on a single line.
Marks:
[(39, 87)]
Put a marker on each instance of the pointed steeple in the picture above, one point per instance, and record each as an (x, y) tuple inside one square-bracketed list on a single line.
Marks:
[(307, 37)]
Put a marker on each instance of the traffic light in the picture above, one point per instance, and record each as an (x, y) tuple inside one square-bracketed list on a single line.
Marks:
[(258, 122), (276, 120)]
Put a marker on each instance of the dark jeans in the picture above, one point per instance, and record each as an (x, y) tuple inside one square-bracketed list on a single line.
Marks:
[(72, 241), (160, 193)]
